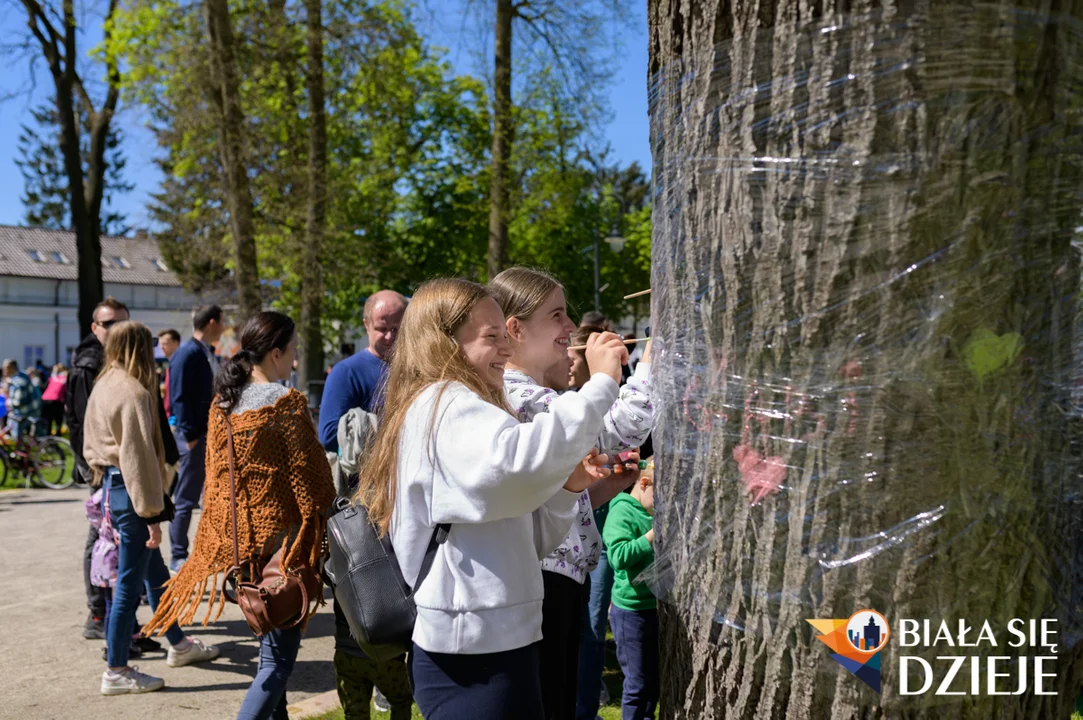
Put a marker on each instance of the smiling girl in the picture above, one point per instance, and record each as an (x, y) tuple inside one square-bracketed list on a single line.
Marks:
[(539, 330), (449, 451)]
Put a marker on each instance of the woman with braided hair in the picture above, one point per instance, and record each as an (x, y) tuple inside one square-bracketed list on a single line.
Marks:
[(283, 490)]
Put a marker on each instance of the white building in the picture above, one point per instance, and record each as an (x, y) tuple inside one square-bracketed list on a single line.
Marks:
[(39, 296)]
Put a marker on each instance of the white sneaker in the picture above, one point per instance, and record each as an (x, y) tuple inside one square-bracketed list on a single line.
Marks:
[(197, 652), (129, 681), (379, 701)]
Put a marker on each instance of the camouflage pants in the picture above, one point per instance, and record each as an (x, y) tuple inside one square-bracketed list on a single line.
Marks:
[(355, 677)]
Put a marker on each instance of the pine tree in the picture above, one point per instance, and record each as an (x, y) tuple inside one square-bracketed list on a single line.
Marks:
[(45, 186)]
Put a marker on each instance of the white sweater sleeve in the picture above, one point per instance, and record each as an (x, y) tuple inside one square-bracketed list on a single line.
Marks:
[(491, 467), (553, 520), (631, 418)]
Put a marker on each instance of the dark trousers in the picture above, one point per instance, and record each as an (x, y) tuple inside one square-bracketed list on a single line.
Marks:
[(592, 645), (187, 492), (52, 415), (95, 596), (355, 677), (495, 686), (562, 624), (636, 634)]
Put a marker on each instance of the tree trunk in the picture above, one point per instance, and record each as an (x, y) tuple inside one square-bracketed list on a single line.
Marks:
[(502, 140), (231, 146), (88, 245), (312, 275), (855, 212), (85, 190)]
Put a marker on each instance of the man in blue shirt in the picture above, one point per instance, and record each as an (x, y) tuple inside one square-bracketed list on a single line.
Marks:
[(191, 387), (356, 381)]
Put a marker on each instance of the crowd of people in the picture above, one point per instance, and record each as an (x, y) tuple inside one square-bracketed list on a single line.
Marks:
[(460, 413)]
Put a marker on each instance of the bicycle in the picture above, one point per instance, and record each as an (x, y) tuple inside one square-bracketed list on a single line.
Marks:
[(43, 460)]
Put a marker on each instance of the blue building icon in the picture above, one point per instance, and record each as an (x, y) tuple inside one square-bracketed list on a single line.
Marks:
[(872, 634)]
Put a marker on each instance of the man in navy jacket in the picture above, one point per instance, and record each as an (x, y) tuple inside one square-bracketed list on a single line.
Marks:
[(191, 387)]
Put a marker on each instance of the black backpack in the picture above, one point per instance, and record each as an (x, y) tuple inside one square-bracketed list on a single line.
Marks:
[(368, 583)]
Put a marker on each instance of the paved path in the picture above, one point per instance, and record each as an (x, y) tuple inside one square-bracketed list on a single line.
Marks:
[(47, 669)]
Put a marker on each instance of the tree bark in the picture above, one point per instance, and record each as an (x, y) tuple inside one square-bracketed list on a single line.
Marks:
[(502, 140), (231, 146), (849, 204), (312, 274)]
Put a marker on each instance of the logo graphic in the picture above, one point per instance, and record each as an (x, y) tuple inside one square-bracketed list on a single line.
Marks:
[(856, 643)]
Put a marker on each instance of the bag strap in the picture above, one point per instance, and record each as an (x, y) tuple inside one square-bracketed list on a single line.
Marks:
[(232, 493), (439, 536)]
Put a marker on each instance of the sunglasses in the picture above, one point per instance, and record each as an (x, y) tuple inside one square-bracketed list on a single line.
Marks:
[(110, 323)]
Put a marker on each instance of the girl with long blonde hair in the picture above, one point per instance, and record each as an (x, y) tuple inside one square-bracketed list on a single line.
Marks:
[(122, 444), (449, 452), (540, 368)]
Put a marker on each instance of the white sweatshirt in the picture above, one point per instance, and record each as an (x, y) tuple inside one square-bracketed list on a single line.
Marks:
[(500, 484), (626, 425)]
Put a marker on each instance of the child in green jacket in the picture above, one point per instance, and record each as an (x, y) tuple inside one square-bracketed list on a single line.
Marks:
[(629, 538)]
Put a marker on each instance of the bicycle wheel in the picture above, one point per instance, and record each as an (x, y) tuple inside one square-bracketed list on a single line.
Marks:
[(50, 461)]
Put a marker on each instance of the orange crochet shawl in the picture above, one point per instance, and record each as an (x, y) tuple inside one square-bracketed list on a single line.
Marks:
[(284, 489)]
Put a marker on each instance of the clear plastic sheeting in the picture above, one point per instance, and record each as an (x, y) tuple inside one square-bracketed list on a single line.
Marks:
[(866, 312)]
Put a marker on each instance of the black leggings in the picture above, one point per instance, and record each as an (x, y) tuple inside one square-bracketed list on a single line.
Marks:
[(495, 686), (562, 627)]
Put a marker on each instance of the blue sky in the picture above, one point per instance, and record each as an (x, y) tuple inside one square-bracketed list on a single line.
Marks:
[(626, 132)]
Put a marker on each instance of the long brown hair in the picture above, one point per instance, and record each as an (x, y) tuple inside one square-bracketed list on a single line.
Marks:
[(520, 291), (130, 347), (425, 353)]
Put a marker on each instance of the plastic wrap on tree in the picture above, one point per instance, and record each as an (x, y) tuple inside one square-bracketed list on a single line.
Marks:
[(867, 331)]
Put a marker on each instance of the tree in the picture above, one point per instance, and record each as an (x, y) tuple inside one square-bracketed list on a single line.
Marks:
[(864, 277), (502, 140), (311, 366), (406, 163), (231, 146), (569, 35), (45, 186), (86, 187)]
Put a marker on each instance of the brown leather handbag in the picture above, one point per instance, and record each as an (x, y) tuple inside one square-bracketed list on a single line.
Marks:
[(280, 597)]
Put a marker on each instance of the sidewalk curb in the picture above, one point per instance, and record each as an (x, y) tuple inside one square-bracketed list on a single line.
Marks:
[(314, 706)]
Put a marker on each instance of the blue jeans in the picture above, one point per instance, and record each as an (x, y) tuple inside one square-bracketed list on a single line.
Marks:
[(592, 642), (137, 567), (187, 492), (266, 698), (636, 634)]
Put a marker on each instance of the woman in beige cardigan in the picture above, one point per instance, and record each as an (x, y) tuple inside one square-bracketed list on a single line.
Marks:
[(122, 444)]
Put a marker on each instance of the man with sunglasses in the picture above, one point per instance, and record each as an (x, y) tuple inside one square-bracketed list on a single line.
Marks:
[(86, 365)]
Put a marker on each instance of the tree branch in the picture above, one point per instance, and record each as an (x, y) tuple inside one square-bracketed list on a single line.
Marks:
[(49, 46)]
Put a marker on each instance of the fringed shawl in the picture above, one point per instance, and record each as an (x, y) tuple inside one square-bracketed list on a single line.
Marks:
[(284, 489)]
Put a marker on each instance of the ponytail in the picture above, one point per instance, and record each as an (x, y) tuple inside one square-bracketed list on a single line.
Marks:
[(262, 333), (232, 378)]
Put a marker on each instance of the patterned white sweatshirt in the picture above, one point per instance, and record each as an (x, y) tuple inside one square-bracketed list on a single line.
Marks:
[(626, 425)]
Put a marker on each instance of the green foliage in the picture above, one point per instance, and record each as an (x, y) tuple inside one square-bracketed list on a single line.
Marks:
[(408, 159), (45, 184)]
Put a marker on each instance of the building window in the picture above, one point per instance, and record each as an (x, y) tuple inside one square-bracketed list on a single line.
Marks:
[(160, 264), (59, 257), (106, 263), (121, 262), (31, 353), (36, 256)]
